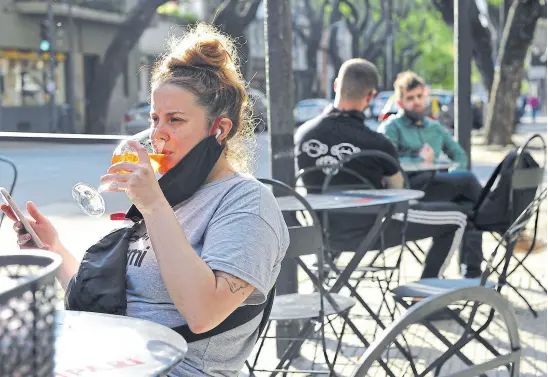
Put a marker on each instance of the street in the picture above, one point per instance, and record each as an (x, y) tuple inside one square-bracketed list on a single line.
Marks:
[(47, 172)]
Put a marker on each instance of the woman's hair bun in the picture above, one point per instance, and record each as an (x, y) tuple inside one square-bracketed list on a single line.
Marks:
[(202, 45), (204, 61)]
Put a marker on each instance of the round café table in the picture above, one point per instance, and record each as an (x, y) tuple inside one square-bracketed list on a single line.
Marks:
[(422, 166), (362, 201), (102, 345), (382, 203), (423, 173)]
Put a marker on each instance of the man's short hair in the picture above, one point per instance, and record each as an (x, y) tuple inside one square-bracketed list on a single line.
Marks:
[(357, 79), (407, 80)]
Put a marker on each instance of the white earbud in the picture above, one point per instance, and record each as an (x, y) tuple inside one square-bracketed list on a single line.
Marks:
[(217, 133)]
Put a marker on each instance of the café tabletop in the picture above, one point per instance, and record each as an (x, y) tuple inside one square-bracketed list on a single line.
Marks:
[(92, 344), (423, 166), (351, 200)]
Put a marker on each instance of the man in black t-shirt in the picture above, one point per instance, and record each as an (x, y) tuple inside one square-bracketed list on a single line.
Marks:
[(339, 132)]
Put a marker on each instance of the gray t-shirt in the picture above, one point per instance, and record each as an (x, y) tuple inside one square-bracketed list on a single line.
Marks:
[(236, 226)]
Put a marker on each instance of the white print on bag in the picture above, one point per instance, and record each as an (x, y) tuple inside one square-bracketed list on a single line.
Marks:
[(314, 149)]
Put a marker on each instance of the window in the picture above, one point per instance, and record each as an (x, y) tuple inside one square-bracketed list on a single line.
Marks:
[(24, 76)]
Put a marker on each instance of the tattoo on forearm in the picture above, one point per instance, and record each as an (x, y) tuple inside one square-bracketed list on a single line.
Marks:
[(234, 284)]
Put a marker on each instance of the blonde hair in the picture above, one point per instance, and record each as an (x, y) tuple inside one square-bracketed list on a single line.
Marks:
[(204, 61), (407, 80)]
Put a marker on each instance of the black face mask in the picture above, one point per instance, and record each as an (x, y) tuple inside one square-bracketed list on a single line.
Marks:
[(415, 116), (184, 179)]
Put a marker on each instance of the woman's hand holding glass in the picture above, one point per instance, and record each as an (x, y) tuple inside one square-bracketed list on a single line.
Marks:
[(136, 179), (90, 200)]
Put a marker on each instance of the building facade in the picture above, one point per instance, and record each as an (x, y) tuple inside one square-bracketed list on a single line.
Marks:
[(24, 70)]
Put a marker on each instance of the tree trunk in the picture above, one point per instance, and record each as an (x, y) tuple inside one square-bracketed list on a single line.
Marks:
[(517, 37), (115, 61), (482, 47), (333, 45), (311, 72), (312, 38), (333, 50), (233, 20)]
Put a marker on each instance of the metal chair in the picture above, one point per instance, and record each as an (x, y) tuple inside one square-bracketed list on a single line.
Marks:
[(408, 294), (386, 351), (318, 307), (329, 175), (523, 180), (373, 270), (377, 269), (14, 181), (427, 287)]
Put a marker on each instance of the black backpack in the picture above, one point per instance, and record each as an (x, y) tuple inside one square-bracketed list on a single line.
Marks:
[(499, 204)]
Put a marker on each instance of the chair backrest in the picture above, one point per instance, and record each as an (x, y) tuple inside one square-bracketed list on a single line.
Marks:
[(418, 315), (332, 171), (528, 179), (509, 238), (304, 240), (510, 189), (394, 163), (13, 182)]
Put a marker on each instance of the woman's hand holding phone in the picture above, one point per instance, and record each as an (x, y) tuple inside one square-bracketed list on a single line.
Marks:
[(39, 223)]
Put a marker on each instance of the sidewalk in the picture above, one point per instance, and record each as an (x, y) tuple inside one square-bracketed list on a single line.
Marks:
[(482, 153), (424, 346)]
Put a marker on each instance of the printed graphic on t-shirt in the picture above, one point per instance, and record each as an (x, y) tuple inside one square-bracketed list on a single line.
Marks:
[(138, 248), (317, 150)]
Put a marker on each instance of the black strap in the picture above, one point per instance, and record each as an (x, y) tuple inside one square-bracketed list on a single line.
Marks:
[(239, 317), (267, 310), (489, 185)]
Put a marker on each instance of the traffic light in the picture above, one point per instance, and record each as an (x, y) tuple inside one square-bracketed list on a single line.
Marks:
[(45, 43)]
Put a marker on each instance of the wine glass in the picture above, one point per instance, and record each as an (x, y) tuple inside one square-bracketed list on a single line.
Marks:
[(89, 199)]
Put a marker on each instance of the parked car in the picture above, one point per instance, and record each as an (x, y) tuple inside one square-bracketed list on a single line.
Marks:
[(389, 108), (307, 109), (441, 106), (446, 114), (136, 119), (378, 102)]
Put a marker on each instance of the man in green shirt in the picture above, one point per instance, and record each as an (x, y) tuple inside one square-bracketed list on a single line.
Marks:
[(417, 137)]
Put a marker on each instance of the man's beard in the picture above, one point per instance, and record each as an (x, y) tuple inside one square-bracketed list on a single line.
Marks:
[(415, 116)]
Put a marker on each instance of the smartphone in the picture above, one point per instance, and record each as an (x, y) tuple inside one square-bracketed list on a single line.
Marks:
[(9, 201)]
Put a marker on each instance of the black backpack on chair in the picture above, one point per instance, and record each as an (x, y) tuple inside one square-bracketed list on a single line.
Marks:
[(510, 189)]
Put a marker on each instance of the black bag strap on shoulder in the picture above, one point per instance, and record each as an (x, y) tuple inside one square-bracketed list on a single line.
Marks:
[(239, 317)]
